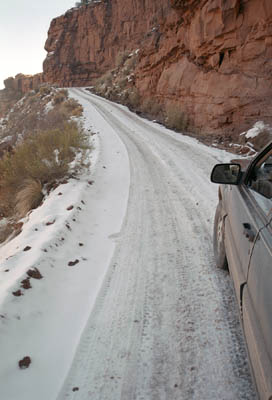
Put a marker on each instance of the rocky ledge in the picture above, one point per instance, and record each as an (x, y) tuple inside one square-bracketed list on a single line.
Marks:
[(210, 58)]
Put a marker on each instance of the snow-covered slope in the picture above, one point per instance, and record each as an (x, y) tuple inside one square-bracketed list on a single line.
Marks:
[(142, 312), (45, 323)]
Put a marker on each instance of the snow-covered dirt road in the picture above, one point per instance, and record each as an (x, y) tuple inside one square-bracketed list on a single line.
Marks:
[(164, 325)]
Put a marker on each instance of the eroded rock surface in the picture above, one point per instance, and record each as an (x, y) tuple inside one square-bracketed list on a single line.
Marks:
[(212, 58), (15, 88)]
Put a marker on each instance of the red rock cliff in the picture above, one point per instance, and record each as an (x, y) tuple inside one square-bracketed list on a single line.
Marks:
[(16, 88), (212, 58), (84, 43)]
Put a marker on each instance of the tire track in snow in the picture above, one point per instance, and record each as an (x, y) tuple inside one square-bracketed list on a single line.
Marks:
[(165, 324)]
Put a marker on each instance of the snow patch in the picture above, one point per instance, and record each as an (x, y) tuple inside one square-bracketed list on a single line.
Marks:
[(48, 107), (6, 139), (254, 132), (68, 240)]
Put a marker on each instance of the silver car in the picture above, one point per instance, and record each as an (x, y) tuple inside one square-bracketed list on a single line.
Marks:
[(243, 244)]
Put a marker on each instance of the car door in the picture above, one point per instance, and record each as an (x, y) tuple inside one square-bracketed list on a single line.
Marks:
[(257, 300), (242, 224), (247, 206), (257, 311)]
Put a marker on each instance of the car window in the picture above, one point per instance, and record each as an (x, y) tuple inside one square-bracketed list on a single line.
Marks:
[(260, 183)]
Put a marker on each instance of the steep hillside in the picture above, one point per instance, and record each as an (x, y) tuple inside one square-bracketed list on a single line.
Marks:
[(209, 60), (41, 144)]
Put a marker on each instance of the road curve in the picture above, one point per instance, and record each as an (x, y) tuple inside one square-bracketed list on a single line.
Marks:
[(165, 324)]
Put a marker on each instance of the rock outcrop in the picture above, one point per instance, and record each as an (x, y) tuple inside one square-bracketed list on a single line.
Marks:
[(217, 64), (24, 83), (84, 43), (15, 88), (211, 59)]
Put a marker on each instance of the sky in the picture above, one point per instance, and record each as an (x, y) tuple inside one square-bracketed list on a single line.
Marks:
[(23, 31)]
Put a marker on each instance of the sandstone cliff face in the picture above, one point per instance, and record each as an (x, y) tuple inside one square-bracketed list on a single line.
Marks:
[(84, 43), (211, 58), (24, 83), (16, 88)]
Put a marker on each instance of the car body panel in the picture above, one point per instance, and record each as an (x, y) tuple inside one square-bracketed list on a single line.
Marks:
[(257, 309), (241, 213), (247, 213)]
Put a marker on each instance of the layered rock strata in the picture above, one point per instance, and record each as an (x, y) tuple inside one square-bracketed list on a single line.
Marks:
[(16, 88), (211, 59)]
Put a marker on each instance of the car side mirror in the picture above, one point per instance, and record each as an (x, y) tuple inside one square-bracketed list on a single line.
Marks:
[(226, 173)]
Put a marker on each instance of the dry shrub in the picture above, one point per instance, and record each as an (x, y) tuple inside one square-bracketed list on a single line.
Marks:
[(55, 118), (73, 108), (45, 90), (122, 82), (175, 118), (104, 81), (30, 117), (131, 62), (42, 157), (121, 58), (28, 197), (60, 96), (150, 106), (108, 77), (6, 202), (133, 99), (5, 232)]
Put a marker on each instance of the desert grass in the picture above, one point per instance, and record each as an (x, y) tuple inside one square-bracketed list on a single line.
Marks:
[(40, 159), (28, 197)]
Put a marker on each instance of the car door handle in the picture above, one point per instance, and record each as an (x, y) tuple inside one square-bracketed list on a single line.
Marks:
[(249, 232)]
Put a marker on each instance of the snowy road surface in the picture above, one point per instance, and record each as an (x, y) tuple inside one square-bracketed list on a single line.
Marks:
[(130, 306), (165, 323)]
